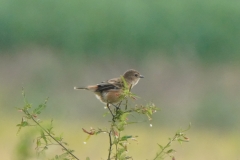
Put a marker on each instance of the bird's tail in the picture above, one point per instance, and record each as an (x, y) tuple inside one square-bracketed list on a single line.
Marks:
[(78, 88), (91, 88)]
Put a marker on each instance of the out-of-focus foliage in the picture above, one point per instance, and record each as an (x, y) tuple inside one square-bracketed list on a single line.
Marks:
[(208, 28), (25, 145)]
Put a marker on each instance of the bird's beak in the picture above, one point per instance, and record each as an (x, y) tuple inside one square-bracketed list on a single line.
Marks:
[(141, 76)]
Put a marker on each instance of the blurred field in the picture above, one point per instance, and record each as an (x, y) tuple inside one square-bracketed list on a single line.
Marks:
[(208, 29), (204, 144), (184, 90), (188, 52)]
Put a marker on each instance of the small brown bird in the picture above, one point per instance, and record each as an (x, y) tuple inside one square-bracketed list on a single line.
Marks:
[(110, 91)]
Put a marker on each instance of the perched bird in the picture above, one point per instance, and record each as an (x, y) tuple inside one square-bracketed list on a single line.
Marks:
[(110, 91)]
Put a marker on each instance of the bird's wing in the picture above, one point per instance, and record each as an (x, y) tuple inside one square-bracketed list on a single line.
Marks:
[(114, 83), (105, 87)]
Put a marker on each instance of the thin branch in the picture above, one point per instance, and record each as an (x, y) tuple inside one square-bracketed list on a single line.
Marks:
[(163, 149), (110, 146), (49, 134), (117, 145), (119, 104)]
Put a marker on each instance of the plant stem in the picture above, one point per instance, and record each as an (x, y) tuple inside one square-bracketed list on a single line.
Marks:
[(171, 140), (49, 134), (110, 146), (117, 142), (115, 116)]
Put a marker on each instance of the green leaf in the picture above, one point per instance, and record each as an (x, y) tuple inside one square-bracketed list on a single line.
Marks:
[(171, 151), (105, 114), (124, 138), (150, 112), (65, 143), (39, 109), (120, 152), (19, 129), (50, 129), (27, 106), (124, 82), (58, 138), (87, 158), (160, 146), (123, 116), (23, 124), (38, 143), (63, 156), (44, 137)]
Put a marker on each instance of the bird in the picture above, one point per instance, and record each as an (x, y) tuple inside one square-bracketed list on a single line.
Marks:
[(110, 91)]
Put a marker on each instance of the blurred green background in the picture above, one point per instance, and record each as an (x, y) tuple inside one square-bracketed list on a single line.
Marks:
[(187, 50)]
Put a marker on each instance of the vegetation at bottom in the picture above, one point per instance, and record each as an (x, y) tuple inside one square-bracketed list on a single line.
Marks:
[(118, 142)]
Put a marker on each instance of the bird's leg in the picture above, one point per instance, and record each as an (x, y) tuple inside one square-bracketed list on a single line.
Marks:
[(119, 104), (114, 105), (117, 107), (126, 104), (110, 110)]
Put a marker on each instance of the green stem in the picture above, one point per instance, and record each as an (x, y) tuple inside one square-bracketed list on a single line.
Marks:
[(54, 138), (158, 154), (110, 146)]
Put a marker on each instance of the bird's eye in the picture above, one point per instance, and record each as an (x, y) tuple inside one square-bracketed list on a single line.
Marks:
[(136, 75)]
